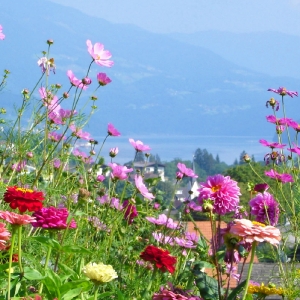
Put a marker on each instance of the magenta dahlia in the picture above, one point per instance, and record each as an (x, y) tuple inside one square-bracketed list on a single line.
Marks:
[(265, 208), (223, 191)]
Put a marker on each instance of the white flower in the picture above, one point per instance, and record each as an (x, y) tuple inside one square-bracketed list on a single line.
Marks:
[(100, 272)]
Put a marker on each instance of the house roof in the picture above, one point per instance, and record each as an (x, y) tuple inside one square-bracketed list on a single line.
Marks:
[(144, 164)]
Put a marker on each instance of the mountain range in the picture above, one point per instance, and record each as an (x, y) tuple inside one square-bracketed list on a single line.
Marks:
[(173, 90)]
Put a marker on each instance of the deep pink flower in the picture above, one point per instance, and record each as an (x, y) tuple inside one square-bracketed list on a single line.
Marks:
[(130, 211), (100, 56), (16, 219), (254, 231), (163, 220), (186, 171), (79, 133), (53, 218), (75, 81), (261, 187), (142, 188), (119, 172), (139, 146), (295, 125), (4, 236), (103, 79), (265, 208), (2, 36), (223, 191), (111, 130), (275, 156), (283, 91), (86, 81), (285, 177), (100, 178), (272, 145), (296, 149), (55, 137), (113, 152), (281, 121)]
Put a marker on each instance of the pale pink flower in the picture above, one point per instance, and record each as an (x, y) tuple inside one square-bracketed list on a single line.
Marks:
[(111, 130), (113, 152), (19, 167), (2, 35), (4, 236), (186, 171), (56, 163), (254, 231), (184, 243), (46, 64), (119, 172), (113, 202), (82, 155), (75, 81), (272, 145), (163, 220), (142, 188), (79, 133), (100, 56), (59, 116), (163, 239), (16, 219), (285, 177), (103, 79), (139, 146), (55, 137), (223, 191), (192, 236), (283, 91)]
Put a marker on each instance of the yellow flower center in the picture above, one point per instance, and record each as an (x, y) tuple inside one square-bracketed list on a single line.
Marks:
[(97, 57), (258, 224), (216, 188), (23, 190)]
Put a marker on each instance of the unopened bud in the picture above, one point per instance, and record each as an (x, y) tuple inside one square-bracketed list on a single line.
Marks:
[(50, 42), (65, 95), (246, 158)]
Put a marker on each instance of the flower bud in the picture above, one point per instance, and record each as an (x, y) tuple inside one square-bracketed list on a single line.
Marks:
[(29, 155), (113, 152), (50, 42), (246, 158), (86, 81)]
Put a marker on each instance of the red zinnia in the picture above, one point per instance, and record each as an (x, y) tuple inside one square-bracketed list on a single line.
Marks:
[(23, 199), (160, 257)]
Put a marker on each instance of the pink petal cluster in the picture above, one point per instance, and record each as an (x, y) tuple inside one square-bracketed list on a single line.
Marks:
[(163, 220), (168, 295), (142, 188), (113, 202), (53, 218), (283, 91), (103, 79), (281, 121), (272, 145), (75, 81), (19, 167), (2, 35), (4, 236), (113, 152), (55, 137), (111, 130), (163, 239), (100, 56), (296, 149), (79, 133), (265, 209), (83, 156), (130, 211), (285, 177), (186, 171), (119, 172), (139, 146), (16, 219), (253, 231), (223, 191)]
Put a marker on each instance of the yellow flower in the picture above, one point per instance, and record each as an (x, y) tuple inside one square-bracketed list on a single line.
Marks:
[(100, 272), (265, 290)]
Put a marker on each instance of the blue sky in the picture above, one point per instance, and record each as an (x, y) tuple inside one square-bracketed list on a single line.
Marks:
[(166, 16)]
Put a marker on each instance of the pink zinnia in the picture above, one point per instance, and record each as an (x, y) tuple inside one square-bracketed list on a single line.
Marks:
[(53, 218), (2, 36), (272, 145), (16, 219), (283, 91), (111, 130), (119, 172), (163, 220), (254, 231), (139, 146), (265, 208), (142, 188), (4, 236), (103, 79), (75, 81), (100, 56), (186, 171), (223, 191), (79, 133), (285, 177), (130, 211)]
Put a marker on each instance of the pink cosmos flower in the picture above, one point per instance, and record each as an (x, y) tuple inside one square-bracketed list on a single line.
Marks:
[(280, 177), (103, 79), (254, 231), (186, 171), (272, 145), (113, 152), (139, 146), (46, 65), (100, 178), (111, 130), (113, 202), (192, 236), (283, 91), (296, 149), (16, 219), (295, 125), (59, 116), (223, 191), (79, 133), (184, 243), (75, 81), (163, 220), (100, 56), (281, 121), (56, 163), (265, 208), (53, 218), (142, 188), (163, 239), (55, 137), (119, 172), (130, 211), (83, 156), (2, 35), (4, 236), (19, 167)]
